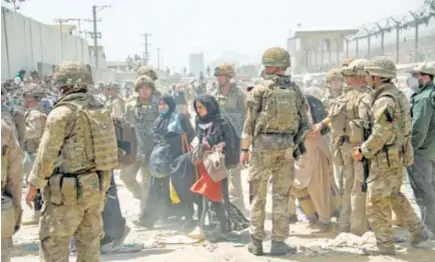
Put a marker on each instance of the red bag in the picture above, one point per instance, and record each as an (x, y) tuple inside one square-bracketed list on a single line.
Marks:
[(206, 187)]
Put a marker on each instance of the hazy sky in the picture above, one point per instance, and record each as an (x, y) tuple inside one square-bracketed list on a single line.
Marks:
[(180, 27)]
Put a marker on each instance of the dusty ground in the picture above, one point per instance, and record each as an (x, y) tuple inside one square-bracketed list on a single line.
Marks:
[(301, 235)]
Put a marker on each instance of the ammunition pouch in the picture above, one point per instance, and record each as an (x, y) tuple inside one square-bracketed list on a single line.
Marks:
[(67, 189), (389, 157), (356, 131), (63, 190)]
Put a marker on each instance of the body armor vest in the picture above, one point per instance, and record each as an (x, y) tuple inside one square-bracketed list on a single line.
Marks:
[(230, 106)]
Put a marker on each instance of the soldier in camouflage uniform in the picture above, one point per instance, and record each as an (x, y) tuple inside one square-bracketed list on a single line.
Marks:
[(334, 87), (389, 149), (71, 168), (12, 181), (149, 71), (275, 124), (114, 101), (232, 101), (35, 119), (346, 120), (141, 112)]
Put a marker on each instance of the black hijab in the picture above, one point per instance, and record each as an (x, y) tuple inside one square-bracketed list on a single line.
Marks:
[(160, 125), (212, 106)]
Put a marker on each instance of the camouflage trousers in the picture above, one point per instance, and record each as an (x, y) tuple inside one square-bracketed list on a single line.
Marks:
[(353, 210), (383, 197), (83, 220), (276, 165), (6, 246), (128, 176), (235, 189)]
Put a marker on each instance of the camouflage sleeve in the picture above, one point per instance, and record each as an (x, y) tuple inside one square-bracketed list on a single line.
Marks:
[(382, 130), (35, 123), (14, 161), (364, 107), (242, 104), (56, 129), (253, 105)]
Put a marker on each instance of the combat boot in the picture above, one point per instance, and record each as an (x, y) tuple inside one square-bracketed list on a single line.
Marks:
[(279, 248), (255, 247), (324, 227), (33, 220), (293, 219), (419, 238)]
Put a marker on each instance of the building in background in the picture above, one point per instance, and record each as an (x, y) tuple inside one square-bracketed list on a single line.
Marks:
[(196, 64), (118, 66)]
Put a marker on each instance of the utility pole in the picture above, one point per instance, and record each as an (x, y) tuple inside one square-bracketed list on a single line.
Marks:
[(94, 17), (96, 34), (158, 58), (146, 54)]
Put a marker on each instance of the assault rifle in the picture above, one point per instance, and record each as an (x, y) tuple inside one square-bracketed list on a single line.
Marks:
[(366, 163)]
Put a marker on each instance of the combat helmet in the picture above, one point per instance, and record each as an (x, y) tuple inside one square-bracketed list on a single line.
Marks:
[(72, 73), (276, 56), (427, 68), (34, 90), (355, 68), (143, 80), (381, 66), (225, 69), (147, 70), (333, 73)]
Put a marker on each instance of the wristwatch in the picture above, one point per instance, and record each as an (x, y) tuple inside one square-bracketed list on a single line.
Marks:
[(245, 149)]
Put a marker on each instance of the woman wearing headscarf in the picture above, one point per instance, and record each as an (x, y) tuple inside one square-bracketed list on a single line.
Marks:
[(172, 133), (314, 184), (213, 129)]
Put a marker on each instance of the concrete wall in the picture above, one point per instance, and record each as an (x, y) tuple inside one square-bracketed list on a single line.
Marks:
[(26, 42)]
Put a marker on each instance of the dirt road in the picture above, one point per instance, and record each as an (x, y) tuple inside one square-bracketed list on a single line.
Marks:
[(26, 244)]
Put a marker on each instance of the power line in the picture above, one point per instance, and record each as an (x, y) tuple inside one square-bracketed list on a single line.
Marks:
[(146, 44), (96, 34)]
